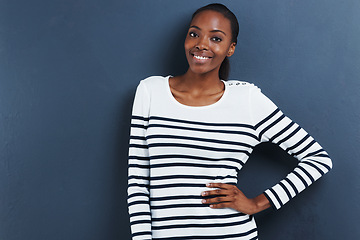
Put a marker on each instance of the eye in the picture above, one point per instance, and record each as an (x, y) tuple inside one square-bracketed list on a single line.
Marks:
[(216, 39), (193, 34)]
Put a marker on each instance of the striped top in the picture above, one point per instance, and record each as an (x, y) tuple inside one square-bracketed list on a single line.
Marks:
[(176, 149)]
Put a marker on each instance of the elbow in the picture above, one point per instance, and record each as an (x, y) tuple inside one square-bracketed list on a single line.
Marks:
[(328, 162), (325, 160)]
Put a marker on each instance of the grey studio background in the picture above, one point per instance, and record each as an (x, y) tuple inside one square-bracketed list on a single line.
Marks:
[(68, 73)]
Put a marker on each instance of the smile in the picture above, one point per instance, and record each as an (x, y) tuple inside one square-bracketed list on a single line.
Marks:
[(200, 57)]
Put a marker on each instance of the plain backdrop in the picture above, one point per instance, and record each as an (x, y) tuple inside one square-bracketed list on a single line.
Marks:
[(68, 72)]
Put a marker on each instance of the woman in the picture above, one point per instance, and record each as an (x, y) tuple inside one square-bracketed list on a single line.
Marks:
[(191, 134)]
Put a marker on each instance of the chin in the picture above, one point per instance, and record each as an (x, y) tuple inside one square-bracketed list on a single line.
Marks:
[(201, 70)]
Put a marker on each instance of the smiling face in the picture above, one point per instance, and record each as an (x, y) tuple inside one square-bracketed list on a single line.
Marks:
[(208, 42)]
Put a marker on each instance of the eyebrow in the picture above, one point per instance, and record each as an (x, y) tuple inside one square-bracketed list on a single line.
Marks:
[(216, 30)]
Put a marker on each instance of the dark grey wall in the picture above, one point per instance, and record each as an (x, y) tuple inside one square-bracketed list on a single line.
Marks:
[(68, 72)]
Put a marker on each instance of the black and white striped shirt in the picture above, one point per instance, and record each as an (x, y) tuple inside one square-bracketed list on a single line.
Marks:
[(176, 149)]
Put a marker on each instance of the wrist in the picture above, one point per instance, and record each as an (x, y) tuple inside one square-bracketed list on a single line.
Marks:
[(260, 203)]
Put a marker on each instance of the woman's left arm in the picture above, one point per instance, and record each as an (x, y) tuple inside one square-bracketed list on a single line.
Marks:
[(271, 125)]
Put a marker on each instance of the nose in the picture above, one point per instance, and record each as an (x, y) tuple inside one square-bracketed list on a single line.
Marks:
[(202, 44)]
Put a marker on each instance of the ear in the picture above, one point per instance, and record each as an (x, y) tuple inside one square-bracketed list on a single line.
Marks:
[(231, 49)]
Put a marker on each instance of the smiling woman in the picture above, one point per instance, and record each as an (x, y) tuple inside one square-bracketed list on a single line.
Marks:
[(208, 43), (191, 134)]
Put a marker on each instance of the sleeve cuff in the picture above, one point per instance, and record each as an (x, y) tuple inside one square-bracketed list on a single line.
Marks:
[(271, 201)]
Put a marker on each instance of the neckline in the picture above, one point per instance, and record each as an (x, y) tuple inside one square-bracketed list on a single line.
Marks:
[(173, 99)]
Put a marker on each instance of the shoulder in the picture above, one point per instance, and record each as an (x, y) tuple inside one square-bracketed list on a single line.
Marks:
[(233, 82), (241, 86), (153, 85), (246, 90), (153, 81)]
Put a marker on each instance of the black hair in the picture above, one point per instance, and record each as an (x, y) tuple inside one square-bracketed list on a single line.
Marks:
[(220, 8)]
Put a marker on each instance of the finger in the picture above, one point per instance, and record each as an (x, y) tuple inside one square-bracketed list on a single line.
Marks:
[(215, 192), (216, 200), (219, 185), (221, 205)]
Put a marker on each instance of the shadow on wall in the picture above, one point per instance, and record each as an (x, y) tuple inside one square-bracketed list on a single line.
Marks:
[(266, 166)]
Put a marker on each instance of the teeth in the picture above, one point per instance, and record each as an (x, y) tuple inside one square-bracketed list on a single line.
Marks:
[(200, 57)]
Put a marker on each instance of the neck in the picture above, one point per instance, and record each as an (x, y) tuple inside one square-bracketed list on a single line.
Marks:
[(201, 82)]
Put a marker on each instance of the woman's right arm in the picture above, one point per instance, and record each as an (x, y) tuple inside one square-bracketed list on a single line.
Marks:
[(138, 179)]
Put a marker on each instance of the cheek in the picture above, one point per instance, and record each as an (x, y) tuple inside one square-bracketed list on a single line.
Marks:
[(189, 43), (221, 51)]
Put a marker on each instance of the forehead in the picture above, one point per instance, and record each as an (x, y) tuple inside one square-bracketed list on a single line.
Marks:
[(209, 20)]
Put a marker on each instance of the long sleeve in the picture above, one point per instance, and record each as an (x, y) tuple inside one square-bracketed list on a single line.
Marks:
[(138, 179), (273, 126)]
